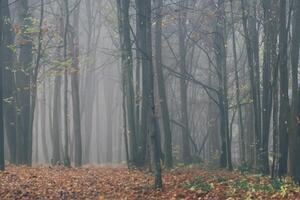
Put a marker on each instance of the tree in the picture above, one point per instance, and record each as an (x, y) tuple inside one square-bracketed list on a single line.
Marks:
[(74, 47), (2, 162), (23, 76), (127, 75), (237, 85), (142, 52), (66, 115), (294, 139), (220, 54), (9, 87), (161, 85), (154, 130), (284, 113), (186, 154)]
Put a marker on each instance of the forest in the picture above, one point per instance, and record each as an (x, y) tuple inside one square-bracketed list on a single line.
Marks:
[(149, 99)]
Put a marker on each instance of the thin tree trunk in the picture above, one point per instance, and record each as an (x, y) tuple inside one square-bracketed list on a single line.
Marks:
[(161, 85), (66, 115), (75, 89), (127, 67), (2, 161), (186, 154)]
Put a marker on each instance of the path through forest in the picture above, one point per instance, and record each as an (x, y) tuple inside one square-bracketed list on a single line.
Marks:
[(119, 183)]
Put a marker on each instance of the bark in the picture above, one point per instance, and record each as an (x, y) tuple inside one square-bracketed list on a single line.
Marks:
[(127, 73), (269, 46), (9, 87), (161, 85), (154, 131), (145, 109), (75, 89), (66, 115), (2, 162), (23, 76), (220, 53), (294, 139), (251, 40), (237, 85), (284, 112), (186, 154), (43, 123)]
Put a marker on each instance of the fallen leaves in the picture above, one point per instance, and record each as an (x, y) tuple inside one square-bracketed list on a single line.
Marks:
[(120, 183)]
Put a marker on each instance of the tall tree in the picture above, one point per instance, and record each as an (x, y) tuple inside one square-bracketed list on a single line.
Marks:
[(2, 163), (251, 40), (142, 52), (9, 88), (127, 74), (182, 18), (294, 139), (75, 87), (284, 113), (220, 54), (161, 84), (154, 130), (66, 115), (269, 46), (23, 76), (237, 85)]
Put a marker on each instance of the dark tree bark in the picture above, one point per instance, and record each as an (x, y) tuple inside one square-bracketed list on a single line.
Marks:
[(127, 75), (284, 113), (2, 162), (294, 139), (269, 47), (23, 76), (220, 53), (145, 109), (161, 85), (186, 154), (154, 130), (9, 88), (251, 40)]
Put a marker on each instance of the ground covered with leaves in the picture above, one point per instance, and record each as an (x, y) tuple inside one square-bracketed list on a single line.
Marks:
[(119, 183)]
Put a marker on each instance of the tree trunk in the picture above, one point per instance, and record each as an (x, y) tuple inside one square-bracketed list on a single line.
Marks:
[(43, 123), (161, 85), (220, 51), (9, 88), (186, 154), (75, 88), (66, 113), (294, 139), (269, 46), (127, 67), (237, 85), (284, 113), (23, 84), (251, 40), (2, 162), (145, 109)]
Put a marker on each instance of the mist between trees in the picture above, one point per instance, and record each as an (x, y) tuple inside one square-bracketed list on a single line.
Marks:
[(151, 83)]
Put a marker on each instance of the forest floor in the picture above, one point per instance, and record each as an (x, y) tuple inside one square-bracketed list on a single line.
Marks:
[(119, 183)]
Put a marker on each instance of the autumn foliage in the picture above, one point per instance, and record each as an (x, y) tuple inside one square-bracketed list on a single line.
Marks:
[(119, 183)]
